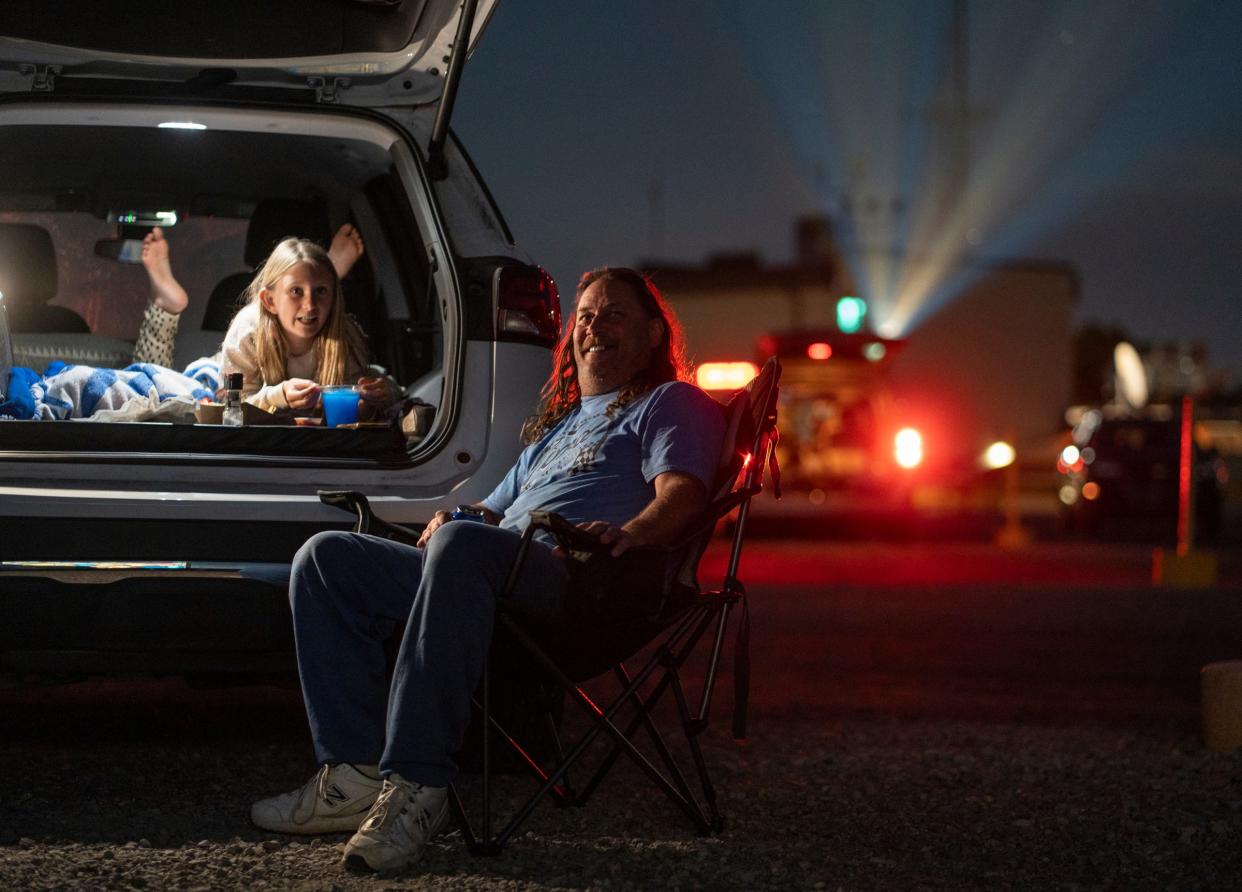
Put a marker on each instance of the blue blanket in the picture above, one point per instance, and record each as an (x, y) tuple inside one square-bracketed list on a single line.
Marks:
[(79, 391)]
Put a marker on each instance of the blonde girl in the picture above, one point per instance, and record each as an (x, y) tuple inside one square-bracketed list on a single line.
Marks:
[(293, 336)]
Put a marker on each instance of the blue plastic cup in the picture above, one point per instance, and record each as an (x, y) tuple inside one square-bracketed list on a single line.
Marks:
[(340, 404)]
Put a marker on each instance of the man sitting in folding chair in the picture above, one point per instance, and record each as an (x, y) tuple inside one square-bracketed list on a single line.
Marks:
[(621, 446)]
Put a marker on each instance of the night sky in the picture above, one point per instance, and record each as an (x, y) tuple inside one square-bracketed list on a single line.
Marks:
[(1104, 134)]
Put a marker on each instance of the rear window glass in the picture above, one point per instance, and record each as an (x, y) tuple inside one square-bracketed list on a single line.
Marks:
[(111, 296)]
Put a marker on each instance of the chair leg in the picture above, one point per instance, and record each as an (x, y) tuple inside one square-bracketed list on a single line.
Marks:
[(643, 717), (692, 728), (705, 821)]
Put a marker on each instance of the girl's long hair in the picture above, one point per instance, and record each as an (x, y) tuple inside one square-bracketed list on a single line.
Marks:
[(561, 393), (337, 340)]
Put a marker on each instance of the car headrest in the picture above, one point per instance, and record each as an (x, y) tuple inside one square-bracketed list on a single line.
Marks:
[(27, 264), (275, 219)]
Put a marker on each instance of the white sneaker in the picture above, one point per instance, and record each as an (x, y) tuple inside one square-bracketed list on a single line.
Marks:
[(333, 801), (392, 837)]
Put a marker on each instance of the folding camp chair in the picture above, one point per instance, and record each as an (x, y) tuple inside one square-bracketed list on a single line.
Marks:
[(649, 601)]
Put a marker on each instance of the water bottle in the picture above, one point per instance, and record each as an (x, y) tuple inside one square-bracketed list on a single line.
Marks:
[(232, 401)]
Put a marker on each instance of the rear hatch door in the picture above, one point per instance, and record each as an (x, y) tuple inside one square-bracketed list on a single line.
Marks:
[(377, 53)]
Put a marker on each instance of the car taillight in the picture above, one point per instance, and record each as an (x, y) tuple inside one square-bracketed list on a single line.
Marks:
[(528, 305), (908, 447)]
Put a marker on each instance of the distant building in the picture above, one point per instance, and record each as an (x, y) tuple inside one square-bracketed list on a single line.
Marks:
[(996, 362)]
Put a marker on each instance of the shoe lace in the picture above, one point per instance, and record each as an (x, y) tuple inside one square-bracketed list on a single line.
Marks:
[(321, 782)]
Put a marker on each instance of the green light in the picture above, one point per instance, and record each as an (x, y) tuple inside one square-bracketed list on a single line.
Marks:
[(850, 314), (874, 351)]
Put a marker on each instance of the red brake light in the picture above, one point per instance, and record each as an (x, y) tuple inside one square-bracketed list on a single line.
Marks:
[(528, 305)]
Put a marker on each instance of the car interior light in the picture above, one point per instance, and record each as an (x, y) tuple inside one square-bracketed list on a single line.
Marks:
[(181, 125)]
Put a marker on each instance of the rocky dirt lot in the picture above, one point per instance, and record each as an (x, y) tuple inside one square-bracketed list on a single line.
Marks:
[(115, 787)]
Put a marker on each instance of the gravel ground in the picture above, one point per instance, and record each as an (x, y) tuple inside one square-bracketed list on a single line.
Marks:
[(100, 791)]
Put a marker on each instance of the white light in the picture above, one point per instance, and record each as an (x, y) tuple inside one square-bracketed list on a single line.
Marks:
[(908, 447), (999, 455), (181, 125), (1068, 494), (1070, 454)]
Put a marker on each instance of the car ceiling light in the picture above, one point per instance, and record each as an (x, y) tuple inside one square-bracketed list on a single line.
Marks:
[(181, 125)]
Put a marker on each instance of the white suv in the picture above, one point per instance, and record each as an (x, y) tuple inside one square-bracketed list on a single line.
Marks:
[(232, 123)]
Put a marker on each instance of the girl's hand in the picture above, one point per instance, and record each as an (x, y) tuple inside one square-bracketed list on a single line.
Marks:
[(374, 390), (301, 393)]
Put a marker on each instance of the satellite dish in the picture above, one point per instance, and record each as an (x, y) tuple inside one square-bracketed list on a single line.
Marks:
[(1131, 375)]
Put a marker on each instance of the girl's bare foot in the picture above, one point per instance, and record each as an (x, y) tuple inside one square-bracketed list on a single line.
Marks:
[(345, 249), (166, 291)]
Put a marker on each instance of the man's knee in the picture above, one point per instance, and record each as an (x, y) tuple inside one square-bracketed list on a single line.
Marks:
[(320, 556), (467, 545)]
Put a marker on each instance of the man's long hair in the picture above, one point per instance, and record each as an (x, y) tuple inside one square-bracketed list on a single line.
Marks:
[(561, 393)]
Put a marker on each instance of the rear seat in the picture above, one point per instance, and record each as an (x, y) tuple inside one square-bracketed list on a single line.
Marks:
[(36, 350), (38, 331)]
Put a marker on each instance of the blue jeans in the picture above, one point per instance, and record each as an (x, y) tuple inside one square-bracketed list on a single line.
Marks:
[(350, 593)]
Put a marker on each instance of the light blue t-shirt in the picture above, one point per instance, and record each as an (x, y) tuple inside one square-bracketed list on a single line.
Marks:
[(592, 467)]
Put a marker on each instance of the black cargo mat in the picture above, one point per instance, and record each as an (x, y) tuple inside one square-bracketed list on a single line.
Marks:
[(381, 445)]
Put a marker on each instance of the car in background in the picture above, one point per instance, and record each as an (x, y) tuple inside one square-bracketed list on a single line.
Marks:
[(1120, 477), (848, 438), (231, 124)]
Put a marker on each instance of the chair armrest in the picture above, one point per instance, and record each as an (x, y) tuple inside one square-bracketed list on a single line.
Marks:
[(568, 536), (576, 540), (367, 521)]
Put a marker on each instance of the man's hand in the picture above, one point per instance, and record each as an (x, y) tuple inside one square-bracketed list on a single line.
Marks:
[(609, 534), (301, 393), (439, 519)]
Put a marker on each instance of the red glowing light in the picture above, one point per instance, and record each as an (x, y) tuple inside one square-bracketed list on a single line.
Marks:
[(819, 350), (725, 375)]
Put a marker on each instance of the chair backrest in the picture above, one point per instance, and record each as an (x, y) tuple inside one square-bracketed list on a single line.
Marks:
[(28, 281), (748, 450), (273, 219)]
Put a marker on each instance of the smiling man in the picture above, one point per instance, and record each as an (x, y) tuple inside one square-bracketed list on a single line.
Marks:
[(621, 446)]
